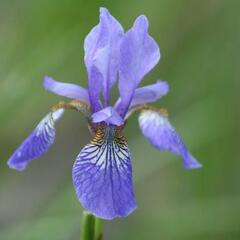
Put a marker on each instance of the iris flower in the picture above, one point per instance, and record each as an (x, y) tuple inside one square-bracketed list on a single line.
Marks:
[(102, 172)]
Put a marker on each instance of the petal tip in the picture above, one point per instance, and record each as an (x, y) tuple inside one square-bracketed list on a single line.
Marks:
[(165, 87), (117, 215), (14, 166), (142, 21), (191, 163), (113, 215), (193, 166), (103, 11), (47, 82)]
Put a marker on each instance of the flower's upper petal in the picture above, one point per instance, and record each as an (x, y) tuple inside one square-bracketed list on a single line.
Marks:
[(102, 176), (102, 49), (139, 53), (149, 93), (161, 134), (108, 115), (95, 86), (68, 90), (37, 143)]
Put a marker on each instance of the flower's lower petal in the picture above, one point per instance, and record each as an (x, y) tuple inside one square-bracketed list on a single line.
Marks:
[(108, 115), (68, 90), (149, 93), (161, 134), (37, 143), (191, 162), (102, 175)]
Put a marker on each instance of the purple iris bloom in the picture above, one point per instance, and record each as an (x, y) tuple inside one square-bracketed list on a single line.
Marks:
[(102, 172)]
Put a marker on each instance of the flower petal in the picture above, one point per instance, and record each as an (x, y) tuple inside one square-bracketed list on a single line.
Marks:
[(95, 85), (102, 49), (37, 143), (102, 175), (160, 133), (139, 53), (108, 115), (68, 90), (149, 93)]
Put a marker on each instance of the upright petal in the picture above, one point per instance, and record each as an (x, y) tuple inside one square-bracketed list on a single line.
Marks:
[(102, 49), (161, 134), (102, 175), (139, 53), (68, 90), (95, 87), (37, 143), (108, 115)]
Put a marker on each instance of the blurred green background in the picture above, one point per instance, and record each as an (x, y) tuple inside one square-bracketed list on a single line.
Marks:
[(200, 46)]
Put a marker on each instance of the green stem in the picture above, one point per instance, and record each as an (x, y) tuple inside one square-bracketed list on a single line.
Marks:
[(98, 229), (92, 227), (88, 226)]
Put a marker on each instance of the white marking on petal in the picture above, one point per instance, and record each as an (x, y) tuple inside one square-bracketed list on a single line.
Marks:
[(156, 118), (104, 149), (57, 114)]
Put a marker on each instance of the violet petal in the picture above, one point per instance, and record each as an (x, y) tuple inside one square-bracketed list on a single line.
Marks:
[(108, 115), (139, 53), (37, 143), (68, 90), (149, 93), (102, 176), (161, 134), (102, 49)]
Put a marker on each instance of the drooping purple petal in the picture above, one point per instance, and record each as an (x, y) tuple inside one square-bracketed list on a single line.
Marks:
[(37, 143), (161, 134), (102, 175), (139, 53), (68, 90), (108, 115), (102, 49)]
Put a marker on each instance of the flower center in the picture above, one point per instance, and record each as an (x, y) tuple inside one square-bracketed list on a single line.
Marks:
[(109, 134)]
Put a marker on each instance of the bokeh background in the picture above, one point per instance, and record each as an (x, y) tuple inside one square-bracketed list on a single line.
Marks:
[(199, 42)]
